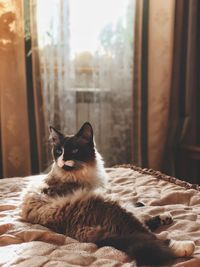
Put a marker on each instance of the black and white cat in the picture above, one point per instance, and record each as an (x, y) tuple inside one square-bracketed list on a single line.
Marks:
[(70, 200)]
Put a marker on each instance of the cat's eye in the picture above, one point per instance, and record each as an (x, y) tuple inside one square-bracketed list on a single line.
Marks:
[(58, 151), (75, 150)]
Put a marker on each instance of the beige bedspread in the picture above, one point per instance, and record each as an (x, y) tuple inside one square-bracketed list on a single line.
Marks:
[(24, 244)]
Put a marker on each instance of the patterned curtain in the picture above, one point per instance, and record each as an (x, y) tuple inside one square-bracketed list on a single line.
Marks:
[(85, 80)]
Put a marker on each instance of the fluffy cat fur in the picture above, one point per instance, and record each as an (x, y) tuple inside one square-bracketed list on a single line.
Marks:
[(70, 200)]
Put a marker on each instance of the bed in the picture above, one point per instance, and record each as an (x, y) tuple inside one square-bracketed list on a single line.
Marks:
[(24, 244)]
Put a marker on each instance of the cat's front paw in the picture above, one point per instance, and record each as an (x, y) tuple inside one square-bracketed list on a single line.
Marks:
[(31, 203), (163, 219), (166, 218)]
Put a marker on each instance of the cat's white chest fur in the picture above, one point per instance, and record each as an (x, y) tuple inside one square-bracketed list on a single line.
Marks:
[(90, 176)]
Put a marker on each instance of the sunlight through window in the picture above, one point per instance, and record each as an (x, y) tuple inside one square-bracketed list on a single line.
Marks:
[(87, 20), (86, 63)]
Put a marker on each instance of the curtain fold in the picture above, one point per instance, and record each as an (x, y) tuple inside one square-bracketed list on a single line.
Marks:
[(139, 124), (178, 115), (152, 77), (38, 97), (160, 64)]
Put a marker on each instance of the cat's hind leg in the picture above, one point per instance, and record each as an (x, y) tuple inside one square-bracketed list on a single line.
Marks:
[(91, 234), (39, 208), (156, 221)]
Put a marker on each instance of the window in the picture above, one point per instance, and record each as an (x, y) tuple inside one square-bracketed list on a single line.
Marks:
[(85, 52)]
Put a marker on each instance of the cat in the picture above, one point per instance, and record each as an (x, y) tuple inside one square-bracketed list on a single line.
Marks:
[(70, 200)]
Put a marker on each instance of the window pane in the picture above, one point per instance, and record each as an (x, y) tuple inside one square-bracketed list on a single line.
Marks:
[(86, 63)]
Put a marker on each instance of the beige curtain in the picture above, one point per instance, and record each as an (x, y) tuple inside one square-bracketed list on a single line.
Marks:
[(137, 87), (160, 64), (41, 129), (153, 59), (15, 143)]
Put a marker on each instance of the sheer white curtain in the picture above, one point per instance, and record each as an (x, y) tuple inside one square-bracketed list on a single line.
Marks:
[(85, 52)]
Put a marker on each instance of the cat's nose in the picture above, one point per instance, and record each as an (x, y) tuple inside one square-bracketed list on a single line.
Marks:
[(69, 163), (65, 157)]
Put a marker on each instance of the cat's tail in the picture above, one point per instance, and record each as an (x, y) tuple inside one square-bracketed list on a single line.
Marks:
[(143, 248)]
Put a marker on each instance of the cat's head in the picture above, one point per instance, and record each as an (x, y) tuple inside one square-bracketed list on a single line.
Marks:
[(73, 152)]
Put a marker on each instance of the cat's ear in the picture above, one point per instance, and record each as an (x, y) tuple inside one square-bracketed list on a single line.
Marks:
[(86, 133), (55, 136)]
